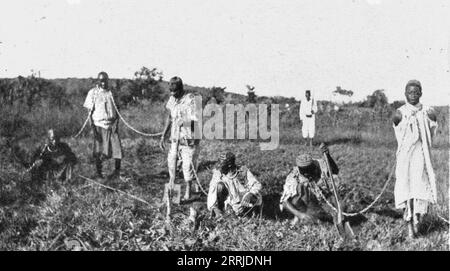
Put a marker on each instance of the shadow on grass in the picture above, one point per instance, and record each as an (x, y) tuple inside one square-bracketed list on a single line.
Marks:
[(389, 213), (272, 210), (356, 220), (25, 192), (431, 224)]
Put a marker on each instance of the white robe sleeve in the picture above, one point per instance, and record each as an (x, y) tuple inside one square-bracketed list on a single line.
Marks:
[(432, 124), (253, 184), (89, 102)]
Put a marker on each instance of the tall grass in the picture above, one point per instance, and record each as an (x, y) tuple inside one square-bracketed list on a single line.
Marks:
[(363, 143)]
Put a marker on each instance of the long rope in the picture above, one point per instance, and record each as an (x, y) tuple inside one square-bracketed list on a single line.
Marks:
[(129, 126), (197, 179), (87, 118), (195, 175), (365, 209), (446, 221), (115, 189), (84, 125), (121, 117)]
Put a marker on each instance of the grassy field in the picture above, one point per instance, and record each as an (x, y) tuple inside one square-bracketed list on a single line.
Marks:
[(55, 216)]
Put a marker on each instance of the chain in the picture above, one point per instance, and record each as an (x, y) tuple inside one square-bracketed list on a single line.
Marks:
[(363, 210)]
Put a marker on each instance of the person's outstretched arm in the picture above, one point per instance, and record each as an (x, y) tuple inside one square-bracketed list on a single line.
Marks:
[(333, 166)]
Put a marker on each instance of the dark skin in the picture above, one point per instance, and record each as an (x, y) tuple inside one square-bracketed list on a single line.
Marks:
[(177, 91), (103, 83), (54, 144), (296, 206), (413, 95), (248, 200), (308, 97), (53, 139)]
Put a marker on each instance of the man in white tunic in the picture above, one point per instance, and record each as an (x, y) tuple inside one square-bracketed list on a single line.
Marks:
[(181, 121), (415, 188), (233, 187), (308, 109), (105, 125)]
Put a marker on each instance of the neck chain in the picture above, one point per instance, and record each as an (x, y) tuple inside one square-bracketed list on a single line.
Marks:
[(50, 150)]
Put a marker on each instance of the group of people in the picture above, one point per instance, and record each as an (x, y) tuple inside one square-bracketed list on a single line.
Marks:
[(235, 188)]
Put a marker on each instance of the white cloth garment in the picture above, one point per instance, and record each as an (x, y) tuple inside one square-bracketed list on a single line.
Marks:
[(309, 127), (182, 109), (188, 156), (238, 185), (100, 101), (307, 113), (415, 178), (296, 179)]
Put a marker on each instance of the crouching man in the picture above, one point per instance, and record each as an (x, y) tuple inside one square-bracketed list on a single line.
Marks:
[(300, 194), (54, 161), (233, 187)]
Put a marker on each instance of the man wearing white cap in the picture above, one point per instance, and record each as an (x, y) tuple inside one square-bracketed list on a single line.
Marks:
[(308, 109), (415, 187), (299, 196)]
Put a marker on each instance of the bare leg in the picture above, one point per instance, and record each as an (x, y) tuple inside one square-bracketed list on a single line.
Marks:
[(187, 194), (222, 194), (98, 166), (416, 221), (411, 233), (116, 173), (411, 227)]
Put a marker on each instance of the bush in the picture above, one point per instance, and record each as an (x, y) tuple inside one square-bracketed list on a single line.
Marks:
[(378, 99)]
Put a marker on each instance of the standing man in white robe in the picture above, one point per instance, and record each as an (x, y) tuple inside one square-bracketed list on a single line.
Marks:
[(308, 109), (415, 188)]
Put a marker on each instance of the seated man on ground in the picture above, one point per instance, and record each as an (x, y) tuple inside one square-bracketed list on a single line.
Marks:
[(233, 187), (300, 194), (55, 160)]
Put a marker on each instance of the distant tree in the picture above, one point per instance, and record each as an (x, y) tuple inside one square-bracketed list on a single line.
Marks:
[(149, 74), (342, 91), (378, 99), (146, 84), (397, 104), (218, 94), (125, 93), (27, 91)]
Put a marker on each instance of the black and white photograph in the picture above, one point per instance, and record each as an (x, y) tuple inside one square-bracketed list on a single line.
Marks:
[(224, 126)]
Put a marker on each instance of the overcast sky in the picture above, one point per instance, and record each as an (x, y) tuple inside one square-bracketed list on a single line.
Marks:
[(280, 47)]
